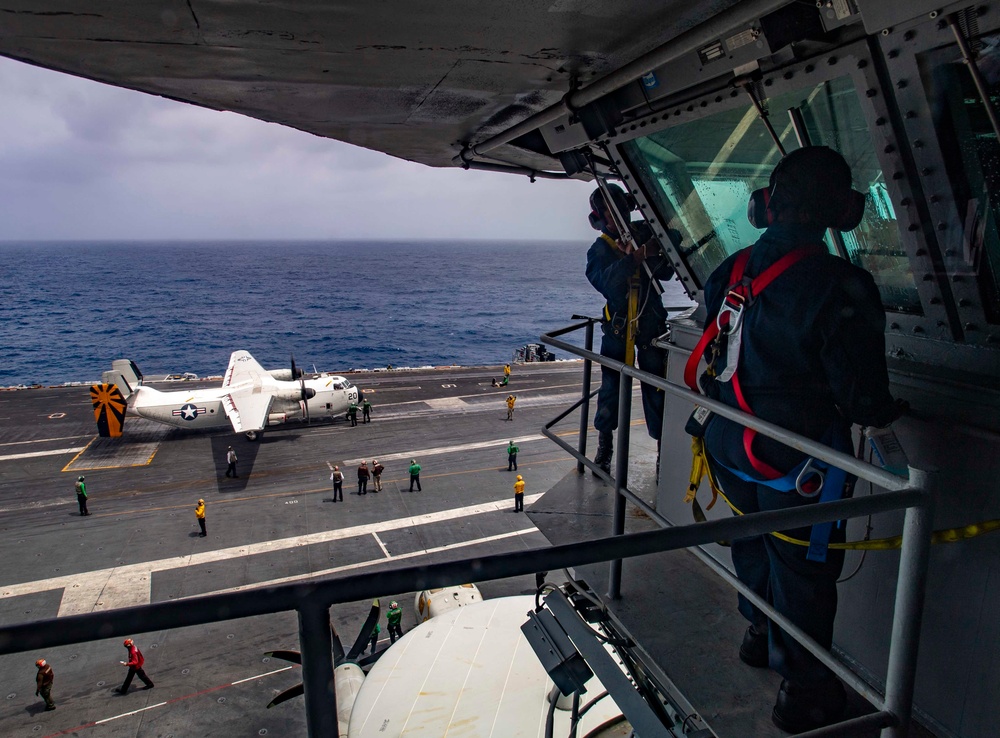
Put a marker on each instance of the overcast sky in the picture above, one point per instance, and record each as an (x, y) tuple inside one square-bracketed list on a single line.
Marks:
[(82, 160)]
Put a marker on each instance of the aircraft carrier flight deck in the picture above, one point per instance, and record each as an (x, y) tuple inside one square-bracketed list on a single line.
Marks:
[(275, 522)]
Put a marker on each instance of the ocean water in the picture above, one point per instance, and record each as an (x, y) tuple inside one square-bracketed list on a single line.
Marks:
[(67, 309)]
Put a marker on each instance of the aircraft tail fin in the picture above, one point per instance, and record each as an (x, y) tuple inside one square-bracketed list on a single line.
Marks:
[(109, 409), (125, 374), (110, 397)]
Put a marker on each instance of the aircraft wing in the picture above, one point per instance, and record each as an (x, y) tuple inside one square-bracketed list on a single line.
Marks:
[(243, 368), (247, 407)]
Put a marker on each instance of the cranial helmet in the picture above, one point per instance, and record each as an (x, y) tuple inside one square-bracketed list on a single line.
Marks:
[(40, 663), (814, 181), (393, 605), (519, 477), (79, 479), (201, 502), (128, 642), (598, 207)]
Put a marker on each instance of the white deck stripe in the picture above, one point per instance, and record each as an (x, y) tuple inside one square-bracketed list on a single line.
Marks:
[(126, 714), (44, 440), (381, 545), (51, 452), (500, 442), (122, 586), (261, 676), (372, 562)]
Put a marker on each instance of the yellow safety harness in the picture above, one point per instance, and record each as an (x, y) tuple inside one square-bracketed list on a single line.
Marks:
[(700, 469), (632, 314)]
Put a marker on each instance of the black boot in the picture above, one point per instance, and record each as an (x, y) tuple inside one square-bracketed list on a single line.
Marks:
[(605, 450), (799, 708), (753, 650)]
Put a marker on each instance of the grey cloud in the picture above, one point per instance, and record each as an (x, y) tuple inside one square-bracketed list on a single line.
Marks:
[(83, 160)]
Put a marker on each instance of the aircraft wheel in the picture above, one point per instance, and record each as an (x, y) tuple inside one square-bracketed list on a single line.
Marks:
[(253, 435)]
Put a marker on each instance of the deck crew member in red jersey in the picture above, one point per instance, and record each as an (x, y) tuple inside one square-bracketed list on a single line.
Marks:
[(134, 664)]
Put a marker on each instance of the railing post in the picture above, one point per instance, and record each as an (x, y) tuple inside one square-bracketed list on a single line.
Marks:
[(585, 407), (911, 586), (316, 646), (621, 478)]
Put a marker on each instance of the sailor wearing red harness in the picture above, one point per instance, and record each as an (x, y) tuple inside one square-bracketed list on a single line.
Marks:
[(802, 346), (609, 269)]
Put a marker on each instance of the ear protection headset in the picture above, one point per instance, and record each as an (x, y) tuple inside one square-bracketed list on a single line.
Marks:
[(805, 177), (598, 207)]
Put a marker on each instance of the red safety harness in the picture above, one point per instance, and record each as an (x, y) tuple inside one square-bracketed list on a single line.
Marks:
[(742, 293)]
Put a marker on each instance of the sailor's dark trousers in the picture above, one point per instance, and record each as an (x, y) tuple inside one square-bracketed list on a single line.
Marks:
[(804, 591)]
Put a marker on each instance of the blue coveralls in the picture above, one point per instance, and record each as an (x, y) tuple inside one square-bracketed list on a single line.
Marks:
[(608, 269), (812, 361)]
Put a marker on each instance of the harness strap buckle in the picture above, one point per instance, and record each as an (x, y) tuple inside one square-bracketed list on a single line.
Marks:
[(807, 478)]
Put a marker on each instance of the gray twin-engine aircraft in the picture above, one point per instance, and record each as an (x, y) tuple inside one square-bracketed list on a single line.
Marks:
[(250, 398)]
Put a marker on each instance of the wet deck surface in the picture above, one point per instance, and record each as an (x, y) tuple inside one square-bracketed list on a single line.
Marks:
[(277, 523)]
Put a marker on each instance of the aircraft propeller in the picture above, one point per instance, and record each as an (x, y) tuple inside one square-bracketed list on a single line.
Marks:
[(305, 393), (339, 657)]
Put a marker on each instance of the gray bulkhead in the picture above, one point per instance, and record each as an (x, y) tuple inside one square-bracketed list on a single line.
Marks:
[(892, 94)]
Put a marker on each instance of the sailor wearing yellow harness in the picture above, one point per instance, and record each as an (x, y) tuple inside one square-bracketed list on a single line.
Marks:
[(611, 270), (806, 353)]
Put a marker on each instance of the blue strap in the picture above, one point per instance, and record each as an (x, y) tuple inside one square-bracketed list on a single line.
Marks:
[(833, 489)]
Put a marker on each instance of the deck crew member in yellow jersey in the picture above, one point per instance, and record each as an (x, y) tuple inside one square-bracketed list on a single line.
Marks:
[(519, 494), (199, 512), (610, 270)]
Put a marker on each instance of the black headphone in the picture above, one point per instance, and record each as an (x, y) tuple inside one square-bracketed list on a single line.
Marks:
[(599, 208), (838, 210)]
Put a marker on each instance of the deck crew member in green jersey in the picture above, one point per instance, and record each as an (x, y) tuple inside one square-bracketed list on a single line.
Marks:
[(352, 414), (366, 411), (415, 475), (81, 496), (393, 618), (512, 456)]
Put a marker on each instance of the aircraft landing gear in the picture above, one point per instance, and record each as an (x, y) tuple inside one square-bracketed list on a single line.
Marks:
[(253, 435)]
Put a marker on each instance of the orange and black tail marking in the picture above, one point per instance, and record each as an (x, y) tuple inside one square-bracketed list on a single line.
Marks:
[(109, 409)]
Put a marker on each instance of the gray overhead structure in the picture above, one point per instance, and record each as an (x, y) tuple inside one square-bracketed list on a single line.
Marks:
[(415, 80)]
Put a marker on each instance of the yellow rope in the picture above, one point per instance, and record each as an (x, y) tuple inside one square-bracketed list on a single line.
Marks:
[(701, 469)]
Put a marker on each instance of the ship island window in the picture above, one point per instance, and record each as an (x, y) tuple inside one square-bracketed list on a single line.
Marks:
[(971, 155), (699, 176)]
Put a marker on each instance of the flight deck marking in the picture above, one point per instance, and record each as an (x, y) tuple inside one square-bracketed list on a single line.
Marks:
[(381, 545), (69, 731), (33, 454), (453, 449), (373, 562), (44, 440), (123, 586)]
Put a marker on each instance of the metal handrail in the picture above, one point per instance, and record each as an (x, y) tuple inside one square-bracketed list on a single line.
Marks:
[(852, 465), (896, 708)]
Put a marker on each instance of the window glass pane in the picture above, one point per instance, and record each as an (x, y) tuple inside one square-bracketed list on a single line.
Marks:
[(700, 176), (971, 155)]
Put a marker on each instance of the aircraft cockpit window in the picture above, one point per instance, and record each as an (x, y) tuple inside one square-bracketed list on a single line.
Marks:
[(339, 385), (347, 384), (699, 176), (971, 154)]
